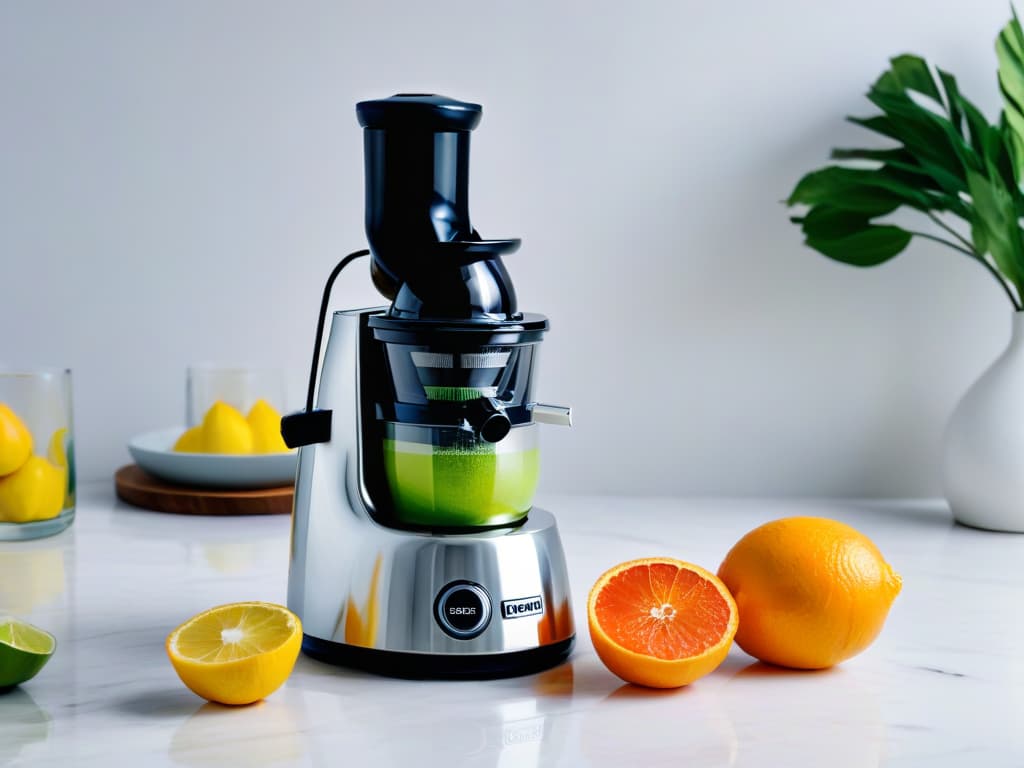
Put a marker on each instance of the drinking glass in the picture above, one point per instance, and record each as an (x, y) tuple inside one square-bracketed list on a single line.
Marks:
[(238, 386), (37, 457)]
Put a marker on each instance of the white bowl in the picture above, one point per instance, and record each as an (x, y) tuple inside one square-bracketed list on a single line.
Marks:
[(153, 452)]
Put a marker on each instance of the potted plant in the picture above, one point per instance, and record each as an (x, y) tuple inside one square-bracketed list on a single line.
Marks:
[(964, 178)]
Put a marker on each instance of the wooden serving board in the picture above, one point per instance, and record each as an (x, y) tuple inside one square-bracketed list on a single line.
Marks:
[(143, 490)]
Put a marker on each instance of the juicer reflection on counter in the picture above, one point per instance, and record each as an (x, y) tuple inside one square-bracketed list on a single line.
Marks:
[(416, 550)]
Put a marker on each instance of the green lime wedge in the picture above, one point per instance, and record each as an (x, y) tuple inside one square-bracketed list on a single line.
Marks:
[(24, 650)]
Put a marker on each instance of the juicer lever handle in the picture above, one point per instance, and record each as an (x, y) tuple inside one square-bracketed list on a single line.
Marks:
[(559, 415), (489, 420), (306, 428)]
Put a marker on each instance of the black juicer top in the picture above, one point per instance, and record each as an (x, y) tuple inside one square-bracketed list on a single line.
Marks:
[(427, 257)]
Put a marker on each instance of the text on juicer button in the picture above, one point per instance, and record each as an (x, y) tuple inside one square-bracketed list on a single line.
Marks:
[(463, 609)]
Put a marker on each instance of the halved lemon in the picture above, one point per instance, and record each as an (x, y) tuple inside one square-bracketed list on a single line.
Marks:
[(24, 650), (237, 653)]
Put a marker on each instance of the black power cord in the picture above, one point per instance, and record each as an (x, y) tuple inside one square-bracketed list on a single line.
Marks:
[(322, 319), (308, 427)]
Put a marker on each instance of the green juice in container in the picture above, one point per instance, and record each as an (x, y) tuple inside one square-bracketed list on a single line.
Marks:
[(461, 449), (454, 479)]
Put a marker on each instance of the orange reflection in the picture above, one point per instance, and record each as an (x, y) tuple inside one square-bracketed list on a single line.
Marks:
[(361, 626)]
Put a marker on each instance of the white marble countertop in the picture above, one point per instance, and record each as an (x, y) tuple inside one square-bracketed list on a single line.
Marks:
[(943, 684)]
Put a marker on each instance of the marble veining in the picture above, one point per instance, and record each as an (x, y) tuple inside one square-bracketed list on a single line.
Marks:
[(943, 685)]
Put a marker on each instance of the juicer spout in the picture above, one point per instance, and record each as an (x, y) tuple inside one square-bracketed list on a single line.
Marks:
[(559, 415)]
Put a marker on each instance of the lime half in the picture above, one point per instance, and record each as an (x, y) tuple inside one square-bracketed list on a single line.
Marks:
[(24, 650)]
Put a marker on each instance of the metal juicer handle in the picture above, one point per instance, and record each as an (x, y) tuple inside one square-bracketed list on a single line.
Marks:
[(559, 415)]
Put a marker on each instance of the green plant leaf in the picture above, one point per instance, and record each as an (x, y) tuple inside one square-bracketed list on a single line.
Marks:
[(947, 158), (1010, 52), (877, 123), (829, 223), (850, 237), (868, 247), (999, 156), (908, 72), (995, 220), (873, 191), (926, 134), (953, 98), (978, 126), (943, 187)]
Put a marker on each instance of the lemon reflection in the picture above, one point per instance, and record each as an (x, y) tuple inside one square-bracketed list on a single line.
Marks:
[(267, 734), (30, 578), (22, 723), (235, 558), (231, 558)]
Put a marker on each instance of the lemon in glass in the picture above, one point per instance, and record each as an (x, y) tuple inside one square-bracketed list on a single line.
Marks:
[(35, 491), (15, 441)]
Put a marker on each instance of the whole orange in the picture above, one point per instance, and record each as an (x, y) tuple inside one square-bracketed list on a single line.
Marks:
[(811, 592)]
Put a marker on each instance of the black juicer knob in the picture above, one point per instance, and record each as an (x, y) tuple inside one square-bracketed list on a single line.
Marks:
[(489, 419)]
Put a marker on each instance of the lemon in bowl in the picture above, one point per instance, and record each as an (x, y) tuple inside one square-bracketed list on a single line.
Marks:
[(226, 450), (225, 430)]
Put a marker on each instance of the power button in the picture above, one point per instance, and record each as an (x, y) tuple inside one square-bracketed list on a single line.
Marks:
[(463, 609)]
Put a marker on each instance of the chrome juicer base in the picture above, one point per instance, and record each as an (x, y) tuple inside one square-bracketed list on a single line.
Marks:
[(406, 603)]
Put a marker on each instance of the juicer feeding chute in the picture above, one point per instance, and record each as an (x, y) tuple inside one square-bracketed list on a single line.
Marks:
[(427, 257)]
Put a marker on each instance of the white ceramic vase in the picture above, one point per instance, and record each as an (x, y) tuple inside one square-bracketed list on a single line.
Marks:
[(983, 462)]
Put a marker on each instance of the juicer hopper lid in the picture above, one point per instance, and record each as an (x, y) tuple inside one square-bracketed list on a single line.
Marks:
[(419, 111), (528, 328)]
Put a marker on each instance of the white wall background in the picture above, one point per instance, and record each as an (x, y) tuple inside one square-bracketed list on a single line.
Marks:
[(178, 178)]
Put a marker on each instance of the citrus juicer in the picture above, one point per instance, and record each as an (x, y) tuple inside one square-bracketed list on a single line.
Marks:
[(415, 548)]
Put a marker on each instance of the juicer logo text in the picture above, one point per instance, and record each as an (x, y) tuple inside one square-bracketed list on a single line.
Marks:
[(524, 606)]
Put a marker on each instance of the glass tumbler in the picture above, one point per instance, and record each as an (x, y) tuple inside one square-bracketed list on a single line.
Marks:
[(238, 386), (37, 457)]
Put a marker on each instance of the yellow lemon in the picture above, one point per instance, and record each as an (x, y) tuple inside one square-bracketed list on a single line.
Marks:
[(191, 440), (15, 441), (56, 452), (237, 653), (61, 455), (225, 430), (265, 422), (33, 492)]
